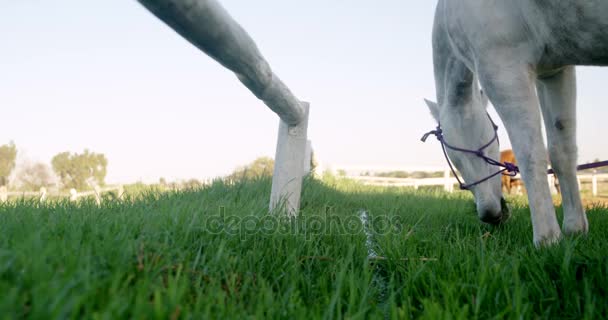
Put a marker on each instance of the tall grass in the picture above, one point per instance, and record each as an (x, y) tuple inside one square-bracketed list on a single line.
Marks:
[(215, 252)]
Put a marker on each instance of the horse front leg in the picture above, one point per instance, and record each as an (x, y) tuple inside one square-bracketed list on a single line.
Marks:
[(511, 90), (558, 102)]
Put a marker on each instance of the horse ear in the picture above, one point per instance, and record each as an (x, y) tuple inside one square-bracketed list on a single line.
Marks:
[(433, 107), (484, 99)]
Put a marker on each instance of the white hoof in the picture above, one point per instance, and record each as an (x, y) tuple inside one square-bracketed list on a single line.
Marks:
[(548, 238), (576, 226)]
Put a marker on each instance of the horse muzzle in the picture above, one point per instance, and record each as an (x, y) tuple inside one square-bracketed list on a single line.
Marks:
[(494, 215)]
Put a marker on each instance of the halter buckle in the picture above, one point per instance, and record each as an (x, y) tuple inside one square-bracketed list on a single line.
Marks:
[(437, 133)]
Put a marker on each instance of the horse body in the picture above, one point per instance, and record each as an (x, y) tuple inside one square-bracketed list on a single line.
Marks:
[(549, 34), (523, 53)]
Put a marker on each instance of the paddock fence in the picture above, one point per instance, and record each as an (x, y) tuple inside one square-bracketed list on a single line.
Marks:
[(73, 195), (590, 181)]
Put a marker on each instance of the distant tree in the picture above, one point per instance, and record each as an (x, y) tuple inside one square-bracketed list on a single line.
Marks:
[(260, 167), (426, 174), (394, 174), (162, 181), (415, 174), (8, 155), (192, 184), (33, 176), (79, 171)]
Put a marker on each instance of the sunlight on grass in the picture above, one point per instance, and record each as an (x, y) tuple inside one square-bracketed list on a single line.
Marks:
[(215, 252)]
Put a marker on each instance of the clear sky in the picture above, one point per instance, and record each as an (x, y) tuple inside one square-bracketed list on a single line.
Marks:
[(109, 76)]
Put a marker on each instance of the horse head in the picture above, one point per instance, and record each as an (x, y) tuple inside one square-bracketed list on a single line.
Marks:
[(469, 138)]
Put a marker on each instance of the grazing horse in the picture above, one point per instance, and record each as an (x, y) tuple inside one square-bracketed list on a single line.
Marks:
[(522, 53)]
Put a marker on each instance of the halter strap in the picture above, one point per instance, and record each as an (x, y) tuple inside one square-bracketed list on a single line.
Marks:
[(587, 166), (508, 168)]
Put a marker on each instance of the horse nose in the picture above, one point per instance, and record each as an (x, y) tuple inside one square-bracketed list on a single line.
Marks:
[(491, 217), (493, 214)]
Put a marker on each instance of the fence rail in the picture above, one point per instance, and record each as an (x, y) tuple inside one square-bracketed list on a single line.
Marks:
[(447, 181), (364, 174), (73, 195)]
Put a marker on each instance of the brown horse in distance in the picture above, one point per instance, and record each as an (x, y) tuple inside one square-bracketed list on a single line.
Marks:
[(509, 182)]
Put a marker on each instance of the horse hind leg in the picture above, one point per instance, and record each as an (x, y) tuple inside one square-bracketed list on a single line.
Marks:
[(558, 102)]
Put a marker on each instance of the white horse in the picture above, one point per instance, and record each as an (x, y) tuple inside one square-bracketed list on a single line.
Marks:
[(523, 54)]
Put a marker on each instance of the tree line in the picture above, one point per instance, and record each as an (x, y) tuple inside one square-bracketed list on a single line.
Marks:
[(72, 170)]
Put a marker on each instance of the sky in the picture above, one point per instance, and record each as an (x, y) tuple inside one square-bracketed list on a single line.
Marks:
[(110, 77)]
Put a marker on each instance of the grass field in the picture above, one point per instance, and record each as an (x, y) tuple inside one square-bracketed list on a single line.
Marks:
[(215, 252)]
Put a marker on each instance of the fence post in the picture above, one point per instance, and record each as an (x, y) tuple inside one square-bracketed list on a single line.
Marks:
[(73, 195), (121, 191), (308, 158), (289, 164), (551, 182), (447, 186), (594, 183), (42, 194), (97, 190), (3, 194)]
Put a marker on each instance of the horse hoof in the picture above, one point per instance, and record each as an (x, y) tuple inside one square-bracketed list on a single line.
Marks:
[(576, 226), (548, 239)]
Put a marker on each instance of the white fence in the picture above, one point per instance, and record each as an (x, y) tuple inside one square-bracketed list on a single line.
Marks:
[(595, 179), (365, 174), (446, 181), (73, 195), (368, 175), (236, 50)]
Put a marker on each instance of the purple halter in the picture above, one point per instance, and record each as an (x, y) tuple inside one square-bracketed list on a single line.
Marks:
[(508, 168)]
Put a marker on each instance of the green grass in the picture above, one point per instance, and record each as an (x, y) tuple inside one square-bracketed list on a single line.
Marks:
[(216, 253)]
